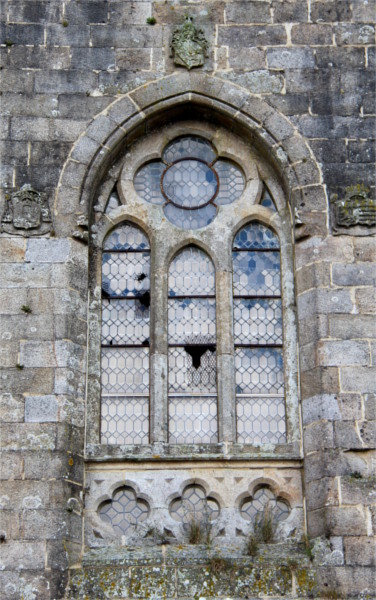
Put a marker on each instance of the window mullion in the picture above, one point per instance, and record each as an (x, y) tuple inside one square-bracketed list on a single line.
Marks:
[(225, 358)]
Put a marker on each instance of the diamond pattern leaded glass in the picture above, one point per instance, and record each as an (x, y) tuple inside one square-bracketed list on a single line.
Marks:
[(192, 420), (190, 219), (184, 377), (125, 371), (125, 511), (126, 237), (257, 321), (191, 274), (147, 182), (231, 182), (125, 322), (267, 201), (189, 183), (193, 503), (125, 420), (259, 371), (189, 147), (191, 320), (257, 274), (125, 273), (255, 236), (252, 508), (261, 420)]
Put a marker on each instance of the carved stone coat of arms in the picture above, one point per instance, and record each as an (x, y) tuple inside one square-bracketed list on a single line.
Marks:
[(188, 45), (26, 213)]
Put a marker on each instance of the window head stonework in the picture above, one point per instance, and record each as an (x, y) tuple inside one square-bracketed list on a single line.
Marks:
[(261, 200)]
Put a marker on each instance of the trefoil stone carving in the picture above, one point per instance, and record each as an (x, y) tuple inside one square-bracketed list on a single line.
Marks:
[(26, 213), (188, 45), (355, 212)]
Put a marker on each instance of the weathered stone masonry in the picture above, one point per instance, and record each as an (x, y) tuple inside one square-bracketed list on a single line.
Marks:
[(80, 82)]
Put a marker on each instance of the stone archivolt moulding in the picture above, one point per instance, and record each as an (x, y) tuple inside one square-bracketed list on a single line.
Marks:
[(162, 490), (26, 213)]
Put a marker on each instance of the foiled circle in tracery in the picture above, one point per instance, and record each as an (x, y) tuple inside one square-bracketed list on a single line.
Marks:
[(189, 183)]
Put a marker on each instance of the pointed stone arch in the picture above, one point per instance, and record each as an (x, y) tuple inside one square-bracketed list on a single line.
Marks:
[(131, 115)]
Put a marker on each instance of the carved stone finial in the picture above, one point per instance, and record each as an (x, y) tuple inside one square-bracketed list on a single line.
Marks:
[(26, 213), (355, 210), (189, 45)]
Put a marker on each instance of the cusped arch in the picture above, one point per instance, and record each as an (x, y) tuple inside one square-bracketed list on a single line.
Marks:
[(128, 117)]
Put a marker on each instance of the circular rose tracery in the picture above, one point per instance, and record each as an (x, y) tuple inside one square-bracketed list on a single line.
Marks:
[(190, 182)]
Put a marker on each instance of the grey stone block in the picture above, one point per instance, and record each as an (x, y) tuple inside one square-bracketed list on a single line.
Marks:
[(41, 409), (343, 353), (356, 275), (65, 81), (322, 492), (47, 251), (358, 379), (320, 407), (318, 436), (290, 58), (72, 35), (247, 11), (360, 551), (346, 435), (258, 82), (29, 128), (247, 59), (22, 34), (289, 12), (95, 11), (15, 81), (121, 13), (93, 58), (38, 57), (312, 34), (133, 36), (133, 59), (252, 35), (26, 555), (34, 11), (324, 301), (352, 326), (347, 104), (361, 152), (353, 34), (337, 10)]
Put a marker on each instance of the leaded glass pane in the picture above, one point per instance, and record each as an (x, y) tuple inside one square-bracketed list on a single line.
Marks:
[(255, 236), (190, 219), (189, 147), (259, 371), (192, 369), (189, 183), (257, 321), (147, 182), (260, 420), (191, 321), (126, 274), (191, 274), (125, 371), (125, 420), (126, 237), (231, 182), (267, 200), (125, 511), (192, 420), (256, 273), (125, 322)]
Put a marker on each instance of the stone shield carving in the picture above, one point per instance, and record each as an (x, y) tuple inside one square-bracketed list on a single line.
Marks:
[(355, 213), (26, 213), (188, 45)]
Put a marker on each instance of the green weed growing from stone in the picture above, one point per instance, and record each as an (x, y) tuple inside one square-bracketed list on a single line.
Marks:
[(9, 43), (26, 309), (151, 20), (264, 525), (65, 23), (252, 545), (19, 367)]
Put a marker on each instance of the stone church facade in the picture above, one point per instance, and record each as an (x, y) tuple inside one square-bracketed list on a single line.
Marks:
[(187, 299)]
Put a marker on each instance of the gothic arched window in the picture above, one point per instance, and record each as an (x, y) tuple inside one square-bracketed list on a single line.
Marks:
[(194, 254)]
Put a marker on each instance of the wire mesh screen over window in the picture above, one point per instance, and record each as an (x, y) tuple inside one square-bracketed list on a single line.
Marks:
[(125, 336), (192, 355), (260, 405)]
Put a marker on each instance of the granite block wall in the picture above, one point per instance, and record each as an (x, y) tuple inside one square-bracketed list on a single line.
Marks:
[(303, 69)]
